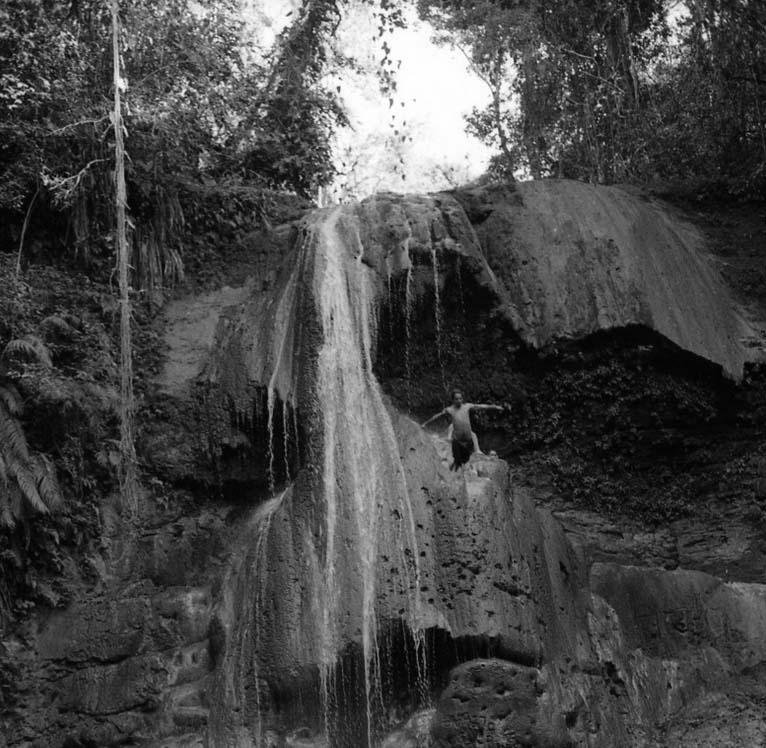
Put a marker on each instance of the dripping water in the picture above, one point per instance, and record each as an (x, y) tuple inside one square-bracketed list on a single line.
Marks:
[(271, 397), (360, 504), (438, 314), (361, 455), (286, 439), (242, 671), (285, 327), (259, 564), (407, 333), (459, 273), (295, 435), (389, 305)]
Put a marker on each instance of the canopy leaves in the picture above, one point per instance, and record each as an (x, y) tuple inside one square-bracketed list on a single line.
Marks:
[(641, 91)]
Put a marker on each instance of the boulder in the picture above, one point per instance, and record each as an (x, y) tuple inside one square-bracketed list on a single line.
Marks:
[(493, 703), (576, 259)]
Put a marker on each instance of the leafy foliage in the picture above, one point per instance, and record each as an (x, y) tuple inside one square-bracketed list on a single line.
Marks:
[(296, 115), (202, 106), (28, 483), (619, 90), (57, 411)]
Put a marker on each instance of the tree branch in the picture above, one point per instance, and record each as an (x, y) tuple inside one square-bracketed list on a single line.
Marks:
[(24, 231), (72, 125)]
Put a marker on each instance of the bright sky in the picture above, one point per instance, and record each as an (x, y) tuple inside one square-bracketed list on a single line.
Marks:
[(435, 87), (436, 90)]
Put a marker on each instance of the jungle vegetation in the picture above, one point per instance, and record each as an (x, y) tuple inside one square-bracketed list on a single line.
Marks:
[(134, 136)]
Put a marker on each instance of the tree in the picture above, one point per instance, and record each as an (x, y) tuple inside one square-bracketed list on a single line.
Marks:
[(127, 407), (617, 90), (709, 98), (297, 116), (200, 109)]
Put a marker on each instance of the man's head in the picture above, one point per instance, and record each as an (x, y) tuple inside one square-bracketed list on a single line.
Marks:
[(457, 398)]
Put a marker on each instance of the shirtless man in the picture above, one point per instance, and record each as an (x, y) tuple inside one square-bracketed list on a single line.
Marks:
[(464, 441)]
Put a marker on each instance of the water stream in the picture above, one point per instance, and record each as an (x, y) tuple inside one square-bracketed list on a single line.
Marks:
[(362, 467), (438, 315), (248, 585), (350, 515), (408, 301)]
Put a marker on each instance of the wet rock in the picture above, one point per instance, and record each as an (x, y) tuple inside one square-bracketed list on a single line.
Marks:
[(106, 630), (678, 614), (577, 258), (135, 683), (623, 542), (113, 630), (304, 737), (414, 733), (216, 625), (190, 333), (730, 546), (493, 703), (479, 201), (719, 721), (186, 740)]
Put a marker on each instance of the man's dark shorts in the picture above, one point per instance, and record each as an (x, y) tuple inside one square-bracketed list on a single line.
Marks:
[(461, 453)]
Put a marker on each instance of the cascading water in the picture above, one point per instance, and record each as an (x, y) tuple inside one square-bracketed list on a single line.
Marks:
[(350, 515), (286, 439), (408, 331), (247, 602), (361, 456), (438, 315)]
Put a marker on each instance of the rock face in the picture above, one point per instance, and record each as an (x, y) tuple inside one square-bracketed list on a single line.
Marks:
[(489, 702), (577, 258), (127, 664), (685, 613), (485, 569), (346, 573)]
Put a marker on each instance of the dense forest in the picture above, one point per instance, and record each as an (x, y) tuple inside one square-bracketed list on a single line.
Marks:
[(222, 124), (669, 94), (178, 301)]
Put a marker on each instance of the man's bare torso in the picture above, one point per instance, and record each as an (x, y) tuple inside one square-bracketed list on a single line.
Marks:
[(461, 422)]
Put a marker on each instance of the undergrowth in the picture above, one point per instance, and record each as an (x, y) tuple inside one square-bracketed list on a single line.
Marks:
[(58, 422)]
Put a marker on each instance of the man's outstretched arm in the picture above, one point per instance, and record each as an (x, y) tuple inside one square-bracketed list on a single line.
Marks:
[(433, 418), (487, 406)]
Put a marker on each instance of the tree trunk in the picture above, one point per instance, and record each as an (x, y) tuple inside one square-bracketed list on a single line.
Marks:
[(498, 115), (127, 446)]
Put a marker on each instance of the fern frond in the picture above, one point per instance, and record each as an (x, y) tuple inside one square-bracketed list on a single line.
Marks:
[(25, 480), (11, 557), (47, 482), (15, 502), (7, 519), (10, 397), (3, 473), (13, 443), (29, 347), (56, 323), (6, 515), (173, 267)]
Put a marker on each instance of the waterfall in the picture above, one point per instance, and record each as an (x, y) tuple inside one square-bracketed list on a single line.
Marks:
[(438, 315), (362, 466), (247, 584), (408, 301), (350, 521)]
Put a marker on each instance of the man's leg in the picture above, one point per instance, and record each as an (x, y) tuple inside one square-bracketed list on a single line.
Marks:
[(461, 452), (455, 455), (475, 440)]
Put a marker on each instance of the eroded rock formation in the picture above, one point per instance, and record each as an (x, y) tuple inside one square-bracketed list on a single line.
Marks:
[(577, 258), (348, 587)]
